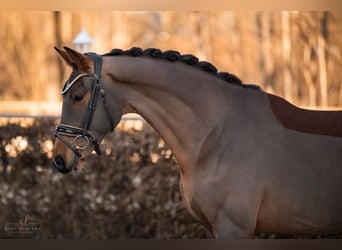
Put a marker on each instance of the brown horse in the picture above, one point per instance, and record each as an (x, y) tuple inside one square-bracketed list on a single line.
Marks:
[(249, 162)]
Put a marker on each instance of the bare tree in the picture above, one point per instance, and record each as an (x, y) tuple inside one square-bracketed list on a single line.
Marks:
[(59, 41), (322, 35), (286, 53)]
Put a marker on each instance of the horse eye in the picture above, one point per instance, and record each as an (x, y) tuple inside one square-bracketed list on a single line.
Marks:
[(78, 98)]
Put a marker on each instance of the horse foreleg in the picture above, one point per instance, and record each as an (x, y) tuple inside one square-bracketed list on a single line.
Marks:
[(238, 217), (209, 234), (228, 227)]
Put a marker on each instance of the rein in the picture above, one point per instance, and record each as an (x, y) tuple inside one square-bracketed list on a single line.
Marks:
[(82, 136)]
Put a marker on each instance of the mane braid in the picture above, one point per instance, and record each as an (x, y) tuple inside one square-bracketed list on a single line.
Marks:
[(172, 56)]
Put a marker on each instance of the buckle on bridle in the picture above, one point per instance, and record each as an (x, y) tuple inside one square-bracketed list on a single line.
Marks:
[(78, 143)]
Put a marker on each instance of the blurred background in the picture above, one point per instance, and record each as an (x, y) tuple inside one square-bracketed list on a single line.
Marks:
[(295, 55)]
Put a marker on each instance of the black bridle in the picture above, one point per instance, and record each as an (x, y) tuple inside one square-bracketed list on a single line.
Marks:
[(82, 136)]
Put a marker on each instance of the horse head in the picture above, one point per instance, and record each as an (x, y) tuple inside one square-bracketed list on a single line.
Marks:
[(86, 117)]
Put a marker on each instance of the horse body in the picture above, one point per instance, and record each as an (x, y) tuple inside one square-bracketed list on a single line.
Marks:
[(242, 172)]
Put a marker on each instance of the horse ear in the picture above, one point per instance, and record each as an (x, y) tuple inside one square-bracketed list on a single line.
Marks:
[(65, 57), (81, 62), (75, 59)]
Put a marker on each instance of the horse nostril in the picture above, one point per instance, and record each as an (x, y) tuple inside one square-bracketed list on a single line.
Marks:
[(59, 160), (59, 164)]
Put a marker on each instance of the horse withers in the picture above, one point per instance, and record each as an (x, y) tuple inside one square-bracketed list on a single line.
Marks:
[(249, 162)]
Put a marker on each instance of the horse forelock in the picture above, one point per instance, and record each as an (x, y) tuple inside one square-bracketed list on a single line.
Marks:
[(173, 56)]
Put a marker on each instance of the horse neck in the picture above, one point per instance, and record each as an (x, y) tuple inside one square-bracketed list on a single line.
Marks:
[(182, 103)]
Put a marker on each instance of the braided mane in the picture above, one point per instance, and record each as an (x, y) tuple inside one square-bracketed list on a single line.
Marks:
[(172, 56)]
